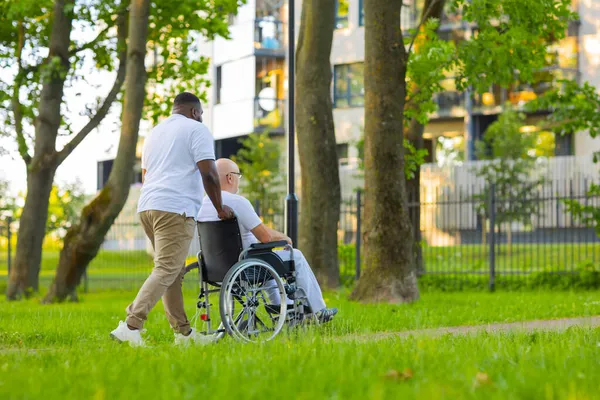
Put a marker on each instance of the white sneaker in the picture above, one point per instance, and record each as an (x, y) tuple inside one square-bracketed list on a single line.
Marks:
[(124, 334), (195, 337)]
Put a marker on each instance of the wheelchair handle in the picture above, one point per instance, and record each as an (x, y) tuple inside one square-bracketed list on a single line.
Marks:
[(290, 248)]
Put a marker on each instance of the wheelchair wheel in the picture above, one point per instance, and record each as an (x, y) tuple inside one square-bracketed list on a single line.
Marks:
[(255, 319)]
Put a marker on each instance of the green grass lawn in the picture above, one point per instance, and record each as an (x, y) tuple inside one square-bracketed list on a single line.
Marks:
[(63, 351)]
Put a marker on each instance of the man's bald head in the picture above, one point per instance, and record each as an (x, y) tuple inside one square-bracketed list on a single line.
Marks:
[(229, 175)]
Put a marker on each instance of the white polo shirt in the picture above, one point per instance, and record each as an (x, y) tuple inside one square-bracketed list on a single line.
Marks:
[(246, 216), (173, 182)]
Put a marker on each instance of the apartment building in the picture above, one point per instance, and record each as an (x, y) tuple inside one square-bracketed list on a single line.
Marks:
[(248, 77), (248, 95)]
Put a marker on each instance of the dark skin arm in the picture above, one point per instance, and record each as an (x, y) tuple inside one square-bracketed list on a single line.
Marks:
[(212, 187)]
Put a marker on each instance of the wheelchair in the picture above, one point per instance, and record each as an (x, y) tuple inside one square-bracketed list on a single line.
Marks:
[(248, 281)]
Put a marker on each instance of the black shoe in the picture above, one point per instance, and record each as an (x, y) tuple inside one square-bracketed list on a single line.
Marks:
[(326, 314)]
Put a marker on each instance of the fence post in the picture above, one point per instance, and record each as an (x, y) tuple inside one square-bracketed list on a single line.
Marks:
[(9, 237), (492, 237), (358, 235)]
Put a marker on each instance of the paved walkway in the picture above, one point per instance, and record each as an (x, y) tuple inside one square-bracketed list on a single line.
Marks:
[(523, 326)]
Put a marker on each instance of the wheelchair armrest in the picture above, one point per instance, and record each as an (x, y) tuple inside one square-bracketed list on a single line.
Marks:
[(268, 246)]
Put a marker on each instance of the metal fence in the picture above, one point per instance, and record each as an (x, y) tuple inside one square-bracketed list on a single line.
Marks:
[(459, 244)]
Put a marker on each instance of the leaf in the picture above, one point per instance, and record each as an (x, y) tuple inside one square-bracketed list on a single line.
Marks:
[(482, 378), (396, 375)]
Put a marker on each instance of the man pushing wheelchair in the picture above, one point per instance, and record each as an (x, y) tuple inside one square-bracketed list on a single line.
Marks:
[(177, 166)]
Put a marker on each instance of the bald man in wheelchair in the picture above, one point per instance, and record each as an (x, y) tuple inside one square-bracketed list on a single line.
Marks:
[(253, 230)]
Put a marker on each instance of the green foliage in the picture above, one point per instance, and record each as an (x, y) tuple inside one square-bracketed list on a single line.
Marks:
[(66, 203), (176, 29), (8, 204), (509, 45), (588, 214), (428, 65), (511, 40), (575, 108), (259, 160), (503, 139), (413, 158), (508, 170), (65, 207), (586, 277)]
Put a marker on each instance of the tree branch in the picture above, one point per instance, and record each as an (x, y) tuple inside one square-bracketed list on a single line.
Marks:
[(101, 35), (110, 98), (17, 107), (424, 17)]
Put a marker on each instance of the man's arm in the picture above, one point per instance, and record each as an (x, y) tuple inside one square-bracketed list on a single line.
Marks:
[(212, 187), (143, 174), (265, 234)]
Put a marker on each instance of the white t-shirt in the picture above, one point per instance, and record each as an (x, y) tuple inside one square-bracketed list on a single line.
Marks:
[(246, 216), (169, 156)]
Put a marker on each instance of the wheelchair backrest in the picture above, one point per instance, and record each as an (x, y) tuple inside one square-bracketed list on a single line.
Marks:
[(221, 245)]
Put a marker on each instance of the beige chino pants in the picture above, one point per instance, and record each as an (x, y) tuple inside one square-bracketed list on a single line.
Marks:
[(170, 235)]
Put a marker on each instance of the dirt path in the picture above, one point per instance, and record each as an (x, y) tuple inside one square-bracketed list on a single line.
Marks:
[(523, 326)]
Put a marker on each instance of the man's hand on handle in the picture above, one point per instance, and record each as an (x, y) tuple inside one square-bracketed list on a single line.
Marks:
[(226, 213)]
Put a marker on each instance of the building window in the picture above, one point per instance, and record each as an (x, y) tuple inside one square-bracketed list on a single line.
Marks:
[(218, 88), (361, 13), (342, 153), (341, 14), (349, 89)]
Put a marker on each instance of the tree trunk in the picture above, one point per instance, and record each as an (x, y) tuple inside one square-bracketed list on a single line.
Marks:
[(390, 273), (83, 240), (24, 271), (316, 141), (42, 167)]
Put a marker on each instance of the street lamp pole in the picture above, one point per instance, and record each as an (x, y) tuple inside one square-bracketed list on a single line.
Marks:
[(291, 200)]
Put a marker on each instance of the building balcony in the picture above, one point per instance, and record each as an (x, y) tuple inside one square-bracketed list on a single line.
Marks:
[(243, 117), (450, 101), (269, 37), (519, 95), (264, 36)]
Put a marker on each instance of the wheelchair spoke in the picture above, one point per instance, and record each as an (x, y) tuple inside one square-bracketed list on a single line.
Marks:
[(240, 316)]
